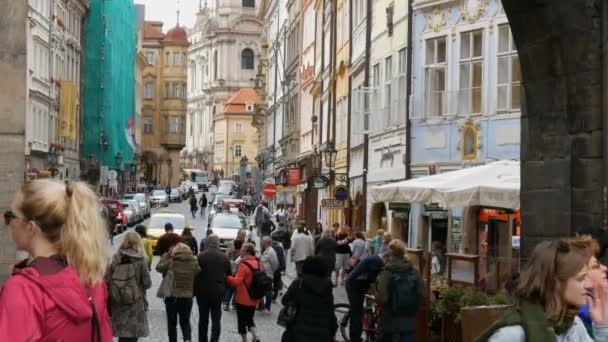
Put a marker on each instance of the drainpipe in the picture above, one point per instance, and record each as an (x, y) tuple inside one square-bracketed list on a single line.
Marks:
[(604, 38), (349, 220), (408, 82), (368, 43)]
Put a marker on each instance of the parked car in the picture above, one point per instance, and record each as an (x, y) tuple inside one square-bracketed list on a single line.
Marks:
[(142, 200), (137, 209), (212, 188), (156, 226), (159, 197), (176, 196), (226, 225), (128, 208)]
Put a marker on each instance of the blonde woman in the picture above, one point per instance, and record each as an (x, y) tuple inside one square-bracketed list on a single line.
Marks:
[(58, 295), (128, 279)]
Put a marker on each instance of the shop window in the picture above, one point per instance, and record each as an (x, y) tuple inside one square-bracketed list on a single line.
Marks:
[(469, 143)]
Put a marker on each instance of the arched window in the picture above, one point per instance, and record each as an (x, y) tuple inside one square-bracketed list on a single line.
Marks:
[(469, 142), (247, 59), (215, 65), (249, 3)]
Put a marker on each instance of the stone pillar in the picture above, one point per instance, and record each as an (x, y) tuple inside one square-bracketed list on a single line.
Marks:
[(560, 52), (13, 106)]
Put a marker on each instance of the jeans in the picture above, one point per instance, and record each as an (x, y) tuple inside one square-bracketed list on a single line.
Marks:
[(397, 337), (178, 307), (356, 297), (268, 299), (229, 296), (206, 307), (277, 284)]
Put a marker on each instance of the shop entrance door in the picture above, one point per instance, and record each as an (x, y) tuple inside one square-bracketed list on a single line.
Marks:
[(495, 253)]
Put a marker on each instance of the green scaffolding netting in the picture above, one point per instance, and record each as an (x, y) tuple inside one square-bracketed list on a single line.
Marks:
[(109, 81)]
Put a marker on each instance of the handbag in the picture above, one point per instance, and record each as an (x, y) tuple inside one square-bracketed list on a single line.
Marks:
[(288, 313), (166, 286)]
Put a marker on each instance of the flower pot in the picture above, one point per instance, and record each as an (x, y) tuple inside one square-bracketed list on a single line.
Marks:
[(476, 319)]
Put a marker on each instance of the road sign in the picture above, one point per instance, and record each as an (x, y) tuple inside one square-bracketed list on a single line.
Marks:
[(341, 192), (270, 190)]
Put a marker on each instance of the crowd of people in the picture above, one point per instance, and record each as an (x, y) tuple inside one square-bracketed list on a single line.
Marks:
[(69, 289)]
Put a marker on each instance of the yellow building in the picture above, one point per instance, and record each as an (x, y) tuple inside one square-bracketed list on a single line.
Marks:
[(235, 137), (164, 102)]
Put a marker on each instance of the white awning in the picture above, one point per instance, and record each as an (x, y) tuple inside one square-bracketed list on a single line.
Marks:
[(492, 185)]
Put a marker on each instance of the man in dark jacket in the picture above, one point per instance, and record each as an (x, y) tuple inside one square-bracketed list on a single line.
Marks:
[(312, 295), (326, 248), (267, 227), (168, 240), (210, 288)]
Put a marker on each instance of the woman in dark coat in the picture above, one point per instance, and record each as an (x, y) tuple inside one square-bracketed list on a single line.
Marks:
[(312, 295)]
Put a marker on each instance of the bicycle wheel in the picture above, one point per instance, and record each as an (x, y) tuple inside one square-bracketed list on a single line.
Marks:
[(342, 311)]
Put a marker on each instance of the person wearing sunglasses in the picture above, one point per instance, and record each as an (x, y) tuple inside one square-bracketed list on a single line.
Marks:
[(551, 290), (597, 273), (58, 294)]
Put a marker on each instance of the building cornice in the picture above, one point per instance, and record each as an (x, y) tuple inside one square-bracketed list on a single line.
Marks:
[(423, 4)]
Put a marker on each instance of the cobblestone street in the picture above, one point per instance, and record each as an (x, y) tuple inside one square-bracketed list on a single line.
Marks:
[(268, 330)]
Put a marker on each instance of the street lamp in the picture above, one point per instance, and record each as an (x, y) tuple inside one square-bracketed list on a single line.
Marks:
[(330, 155)]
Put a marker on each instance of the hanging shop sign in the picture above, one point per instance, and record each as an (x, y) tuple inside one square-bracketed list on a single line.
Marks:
[(456, 232), (399, 206), (318, 182), (332, 203), (341, 192), (293, 176), (435, 212)]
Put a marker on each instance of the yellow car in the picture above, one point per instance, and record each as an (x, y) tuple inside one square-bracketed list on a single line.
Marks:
[(156, 226)]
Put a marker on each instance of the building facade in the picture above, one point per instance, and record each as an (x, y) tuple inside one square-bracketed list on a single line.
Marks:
[(235, 136), (222, 60), (388, 94), (55, 55), (164, 102)]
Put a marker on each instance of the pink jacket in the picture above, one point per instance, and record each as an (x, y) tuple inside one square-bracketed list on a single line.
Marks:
[(47, 302)]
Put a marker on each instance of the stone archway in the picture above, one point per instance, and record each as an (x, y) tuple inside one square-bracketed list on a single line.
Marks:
[(560, 50)]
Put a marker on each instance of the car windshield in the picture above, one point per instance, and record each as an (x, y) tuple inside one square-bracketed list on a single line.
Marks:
[(174, 192), (228, 221), (159, 193), (159, 221), (129, 196), (140, 197)]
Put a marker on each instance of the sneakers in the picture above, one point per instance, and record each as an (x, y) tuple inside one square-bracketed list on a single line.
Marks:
[(226, 307)]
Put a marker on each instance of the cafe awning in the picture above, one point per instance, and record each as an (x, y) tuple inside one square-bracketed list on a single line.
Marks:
[(495, 184)]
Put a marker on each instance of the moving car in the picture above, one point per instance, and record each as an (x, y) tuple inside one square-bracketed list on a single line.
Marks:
[(156, 226), (159, 197), (216, 203), (142, 200), (175, 196), (226, 226)]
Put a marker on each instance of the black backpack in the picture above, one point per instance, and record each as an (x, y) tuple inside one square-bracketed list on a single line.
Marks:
[(260, 283), (280, 255), (404, 292)]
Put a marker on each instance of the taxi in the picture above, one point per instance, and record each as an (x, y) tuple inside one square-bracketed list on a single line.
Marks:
[(156, 226)]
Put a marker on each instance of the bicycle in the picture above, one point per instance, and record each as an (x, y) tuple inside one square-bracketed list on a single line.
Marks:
[(371, 320)]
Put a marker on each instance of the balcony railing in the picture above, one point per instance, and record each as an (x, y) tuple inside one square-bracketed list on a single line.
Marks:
[(177, 140)]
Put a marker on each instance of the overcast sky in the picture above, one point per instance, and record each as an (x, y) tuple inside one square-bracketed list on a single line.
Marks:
[(166, 11)]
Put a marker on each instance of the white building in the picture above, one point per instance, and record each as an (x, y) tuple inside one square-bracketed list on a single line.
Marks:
[(388, 92), (54, 55), (222, 59)]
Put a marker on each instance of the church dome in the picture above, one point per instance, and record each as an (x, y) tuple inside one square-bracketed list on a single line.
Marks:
[(177, 34)]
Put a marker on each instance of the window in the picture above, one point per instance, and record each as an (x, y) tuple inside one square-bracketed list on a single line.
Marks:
[(150, 57), (148, 125), (435, 69), (237, 150), (174, 124), (167, 55), (247, 59), (402, 84), (471, 72), (238, 128), (388, 96), (249, 3), (376, 93), (177, 90), (215, 65), (177, 58), (509, 73), (469, 143), (149, 90)]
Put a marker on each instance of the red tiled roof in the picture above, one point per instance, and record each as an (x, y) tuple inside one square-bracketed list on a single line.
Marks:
[(153, 30), (236, 104), (176, 34)]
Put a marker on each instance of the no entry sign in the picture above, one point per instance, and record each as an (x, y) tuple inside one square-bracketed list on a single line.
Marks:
[(270, 190)]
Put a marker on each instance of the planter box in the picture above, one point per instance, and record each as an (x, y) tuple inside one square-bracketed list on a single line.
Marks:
[(451, 331), (476, 319)]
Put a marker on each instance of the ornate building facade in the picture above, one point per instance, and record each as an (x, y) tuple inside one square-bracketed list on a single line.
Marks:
[(222, 60)]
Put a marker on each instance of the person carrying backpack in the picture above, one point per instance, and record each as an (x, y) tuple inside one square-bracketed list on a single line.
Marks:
[(277, 282), (128, 278), (246, 281), (399, 294)]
